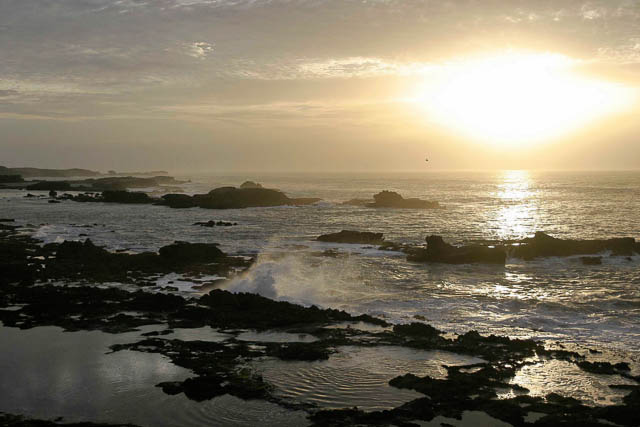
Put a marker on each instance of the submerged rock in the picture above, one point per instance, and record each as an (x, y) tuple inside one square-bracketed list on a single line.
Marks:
[(350, 236), (543, 245), (391, 199), (440, 251)]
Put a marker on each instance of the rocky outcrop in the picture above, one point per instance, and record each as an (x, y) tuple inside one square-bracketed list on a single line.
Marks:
[(391, 199), (234, 198), (543, 245), (439, 251), (350, 236), (237, 198), (127, 197), (178, 201), (185, 253)]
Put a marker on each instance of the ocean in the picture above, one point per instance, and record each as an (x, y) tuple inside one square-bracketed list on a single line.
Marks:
[(551, 299), (47, 373)]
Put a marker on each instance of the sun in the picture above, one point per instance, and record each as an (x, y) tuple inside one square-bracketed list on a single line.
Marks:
[(517, 98)]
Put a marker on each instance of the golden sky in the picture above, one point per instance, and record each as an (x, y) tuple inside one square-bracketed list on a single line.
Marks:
[(320, 85)]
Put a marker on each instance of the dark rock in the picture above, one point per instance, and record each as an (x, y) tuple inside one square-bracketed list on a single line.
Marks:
[(350, 236), (543, 245), (7, 220), (299, 351), (391, 199), (178, 201), (591, 260), (54, 201), (417, 330), (126, 197), (185, 253), (213, 223), (440, 251), (237, 198)]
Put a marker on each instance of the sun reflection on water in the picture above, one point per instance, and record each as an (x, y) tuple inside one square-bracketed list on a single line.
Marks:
[(518, 211)]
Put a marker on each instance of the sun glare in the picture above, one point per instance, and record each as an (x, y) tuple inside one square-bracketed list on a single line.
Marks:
[(515, 99)]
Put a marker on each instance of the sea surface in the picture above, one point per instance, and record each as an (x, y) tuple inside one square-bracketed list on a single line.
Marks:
[(553, 299)]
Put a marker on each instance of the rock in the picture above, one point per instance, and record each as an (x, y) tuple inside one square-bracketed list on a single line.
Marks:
[(591, 260), (7, 220), (390, 199), (350, 236), (238, 198), (53, 201), (185, 253), (53, 193), (440, 251), (50, 186), (251, 184), (543, 245), (213, 223), (178, 201), (127, 197)]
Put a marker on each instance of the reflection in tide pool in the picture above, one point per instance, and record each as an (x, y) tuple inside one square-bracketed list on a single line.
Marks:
[(567, 379), (357, 376), (47, 373)]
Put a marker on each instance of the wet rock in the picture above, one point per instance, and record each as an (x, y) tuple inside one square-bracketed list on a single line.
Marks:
[(213, 223), (391, 199), (543, 245), (7, 220), (417, 330), (356, 237), (53, 201), (185, 253), (591, 260), (299, 351), (440, 251)]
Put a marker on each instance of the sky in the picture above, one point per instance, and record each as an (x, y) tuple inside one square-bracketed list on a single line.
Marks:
[(320, 85)]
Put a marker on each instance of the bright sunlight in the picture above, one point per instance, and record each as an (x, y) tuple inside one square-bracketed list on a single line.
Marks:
[(516, 99)]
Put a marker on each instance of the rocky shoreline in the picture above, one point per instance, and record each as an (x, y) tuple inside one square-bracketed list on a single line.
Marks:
[(53, 285)]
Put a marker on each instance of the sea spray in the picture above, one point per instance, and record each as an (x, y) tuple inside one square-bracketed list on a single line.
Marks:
[(301, 278)]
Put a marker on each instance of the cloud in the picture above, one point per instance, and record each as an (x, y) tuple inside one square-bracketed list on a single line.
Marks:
[(199, 50)]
